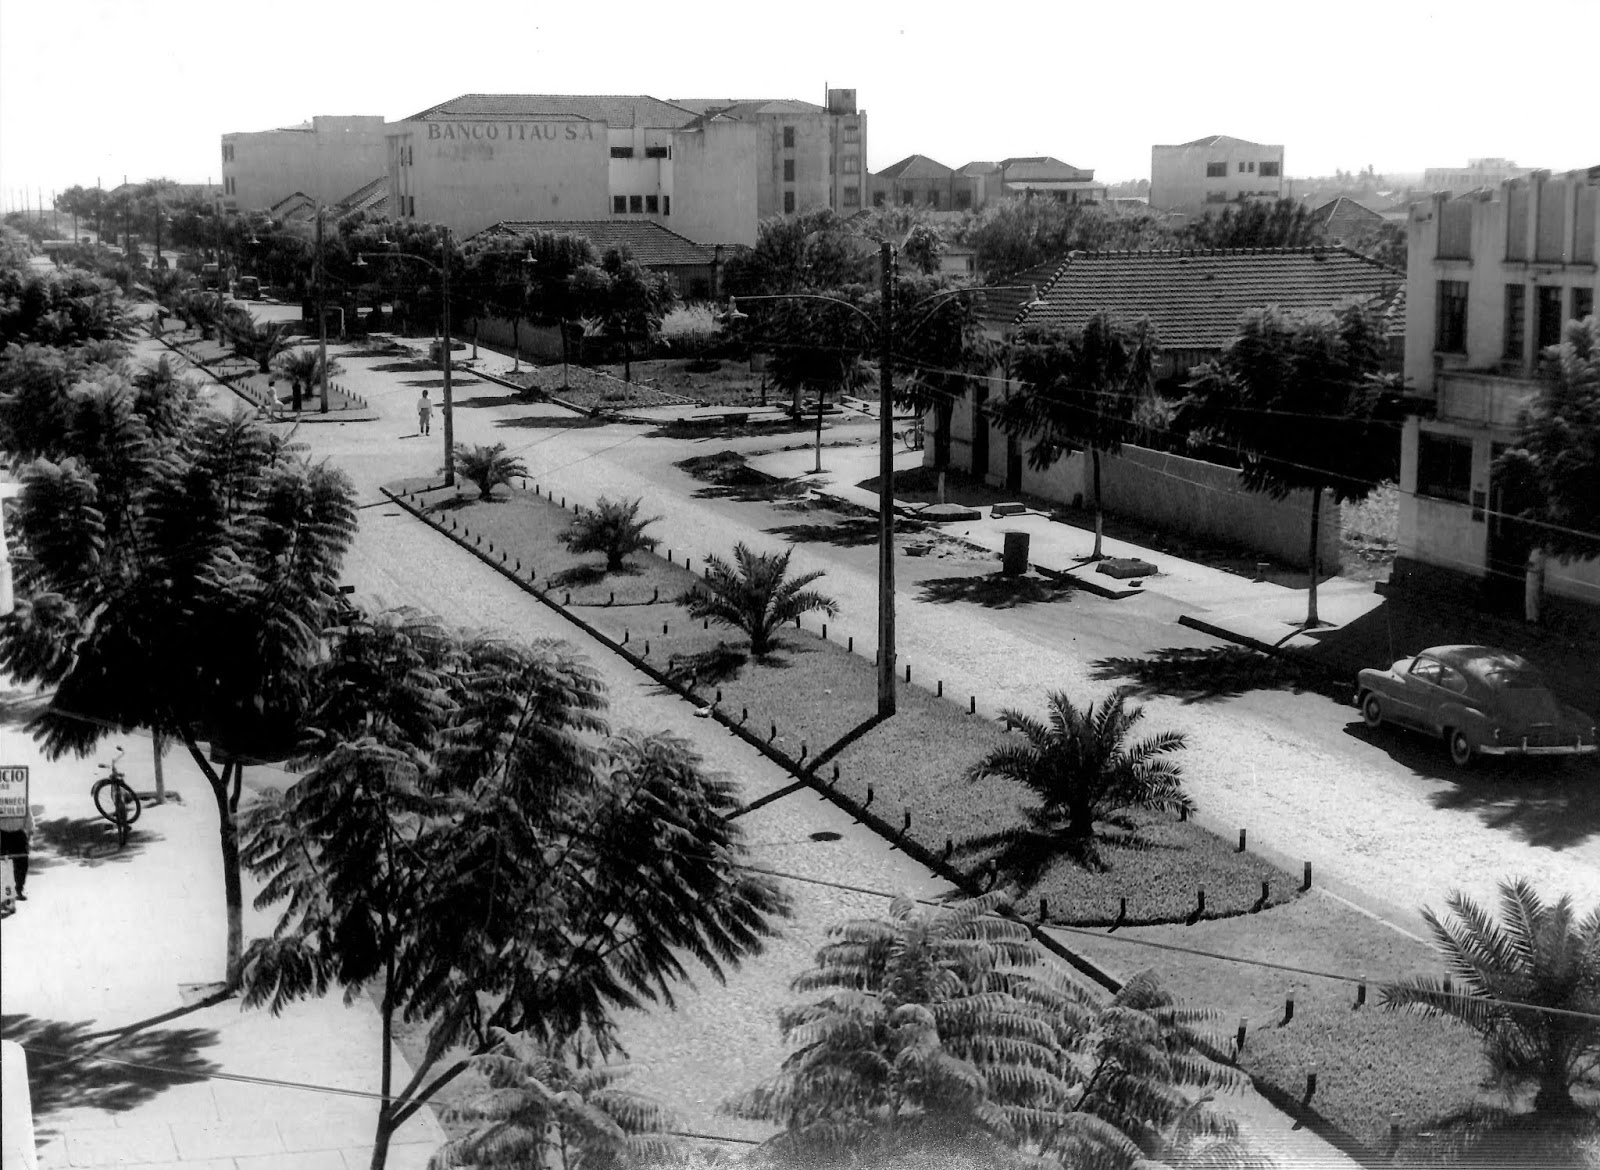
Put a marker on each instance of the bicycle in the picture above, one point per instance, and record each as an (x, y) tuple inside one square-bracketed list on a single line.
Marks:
[(115, 800), (913, 436)]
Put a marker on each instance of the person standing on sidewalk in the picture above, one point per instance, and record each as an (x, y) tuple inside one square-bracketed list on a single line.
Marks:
[(14, 835), (424, 413)]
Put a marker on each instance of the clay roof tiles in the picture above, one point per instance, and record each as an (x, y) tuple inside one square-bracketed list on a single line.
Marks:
[(1196, 297), (653, 245)]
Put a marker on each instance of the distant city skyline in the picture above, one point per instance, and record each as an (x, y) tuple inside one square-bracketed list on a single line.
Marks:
[(148, 88)]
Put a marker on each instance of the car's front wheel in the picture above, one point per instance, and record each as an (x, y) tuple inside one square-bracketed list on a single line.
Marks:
[(1372, 711), (1461, 753)]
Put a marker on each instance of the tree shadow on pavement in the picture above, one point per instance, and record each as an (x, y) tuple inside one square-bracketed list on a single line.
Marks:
[(1483, 1137), (1201, 674), (61, 1076), (994, 590), (708, 668), (852, 532), (83, 841), (552, 422), (1548, 803), (484, 401), (438, 383)]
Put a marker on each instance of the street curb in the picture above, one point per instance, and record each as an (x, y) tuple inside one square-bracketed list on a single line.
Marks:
[(283, 416), (1277, 1097), (858, 811)]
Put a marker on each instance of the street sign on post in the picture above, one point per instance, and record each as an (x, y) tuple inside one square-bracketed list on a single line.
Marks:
[(13, 790)]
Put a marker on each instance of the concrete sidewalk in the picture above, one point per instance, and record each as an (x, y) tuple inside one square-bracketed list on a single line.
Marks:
[(1260, 610), (109, 937)]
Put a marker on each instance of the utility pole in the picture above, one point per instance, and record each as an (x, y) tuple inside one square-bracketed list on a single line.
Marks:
[(886, 681), (449, 417), (322, 321)]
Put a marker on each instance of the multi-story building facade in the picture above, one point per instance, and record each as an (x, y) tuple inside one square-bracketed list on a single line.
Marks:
[(325, 159), (481, 159), (1479, 172), (1210, 173), (810, 156), (1492, 279)]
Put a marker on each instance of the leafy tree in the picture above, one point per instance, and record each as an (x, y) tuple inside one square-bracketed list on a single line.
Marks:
[(544, 1108), (1084, 769), (816, 347), (1384, 242), (174, 573), (1283, 224), (627, 297), (812, 250), (1081, 390), (1538, 953), (756, 595), (488, 467), (612, 527), (464, 836), (1013, 235), (61, 308), (1553, 470), (1300, 401), (922, 248), (941, 348), (932, 1026)]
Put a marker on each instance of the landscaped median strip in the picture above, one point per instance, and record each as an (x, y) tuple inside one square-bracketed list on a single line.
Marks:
[(901, 778)]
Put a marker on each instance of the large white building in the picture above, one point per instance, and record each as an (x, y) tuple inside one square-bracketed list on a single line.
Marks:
[(1208, 174), (1492, 279), (326, 159)]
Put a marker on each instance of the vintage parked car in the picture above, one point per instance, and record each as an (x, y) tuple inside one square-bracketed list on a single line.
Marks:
[(1479, 700)]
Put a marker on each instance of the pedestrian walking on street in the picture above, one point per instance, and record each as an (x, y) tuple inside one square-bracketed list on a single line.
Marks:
[(14, 835), (424, 413)]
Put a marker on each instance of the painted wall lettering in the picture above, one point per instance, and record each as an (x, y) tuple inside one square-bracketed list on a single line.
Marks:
[(513, 131)]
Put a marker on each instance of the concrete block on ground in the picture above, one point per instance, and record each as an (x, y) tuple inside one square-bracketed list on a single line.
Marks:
[(997, 510), (1124, 567)]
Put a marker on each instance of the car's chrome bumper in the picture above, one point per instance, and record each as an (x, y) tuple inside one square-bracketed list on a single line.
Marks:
[(1522, 749)]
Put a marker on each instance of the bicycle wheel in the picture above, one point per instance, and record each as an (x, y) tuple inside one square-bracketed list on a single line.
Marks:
[(118, 803)]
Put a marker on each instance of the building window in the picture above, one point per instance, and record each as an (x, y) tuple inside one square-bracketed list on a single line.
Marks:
[(658, 152), (851, 164), (906, 198), (408, 156), (619, 204), (1450, 335), (852, 132), (963, 199), (651, 205), (1444, 467), (1550, 317), (933, 199), (666, 205), (622, 152), (1217, 170), (833, 163), (788, 170), (788, 138), (878, 198), (1516, 320), (788, 202), (411, 206), (1271, 170), (227, 152), (1241, 168), (852, 197), (636, 204), (1582, 303)]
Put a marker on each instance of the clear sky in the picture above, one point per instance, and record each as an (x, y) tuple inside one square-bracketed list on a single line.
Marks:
[(103, 88)]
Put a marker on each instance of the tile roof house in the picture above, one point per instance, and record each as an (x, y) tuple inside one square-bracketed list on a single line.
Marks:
[(1344, 220), (1196, 297), (690, 266)]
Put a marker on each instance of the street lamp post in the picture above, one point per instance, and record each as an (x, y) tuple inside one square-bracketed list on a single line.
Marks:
[(443, 270), (886, 338)]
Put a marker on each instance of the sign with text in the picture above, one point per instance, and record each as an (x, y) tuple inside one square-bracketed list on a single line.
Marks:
[(512, 131), (13, 790)]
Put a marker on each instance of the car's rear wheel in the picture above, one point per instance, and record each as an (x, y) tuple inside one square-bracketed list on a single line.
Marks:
[(1372, 711), (1461, 753)]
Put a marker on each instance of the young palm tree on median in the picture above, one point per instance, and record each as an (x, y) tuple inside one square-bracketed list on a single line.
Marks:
[(612, 527), (755, 594), (1083, 768), (1538, 953)]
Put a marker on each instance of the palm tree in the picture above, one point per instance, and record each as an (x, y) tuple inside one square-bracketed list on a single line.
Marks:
[(550, 1108), (935, 1027), (754, 595), (302, 365), (611, 527), (259, 343), (1084, 770), (1537, 954), (488, 467)]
